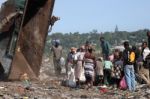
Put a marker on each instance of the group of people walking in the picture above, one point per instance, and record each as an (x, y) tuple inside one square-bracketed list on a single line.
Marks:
[(107, 69)]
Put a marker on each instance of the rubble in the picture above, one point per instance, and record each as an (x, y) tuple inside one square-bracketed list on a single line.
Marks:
[(49, 87), (53, 90)]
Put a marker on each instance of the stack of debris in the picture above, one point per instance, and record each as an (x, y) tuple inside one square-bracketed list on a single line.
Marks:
[(51, 88)]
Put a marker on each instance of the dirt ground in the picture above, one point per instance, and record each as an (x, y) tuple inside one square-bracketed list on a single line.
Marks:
[(50, 86)]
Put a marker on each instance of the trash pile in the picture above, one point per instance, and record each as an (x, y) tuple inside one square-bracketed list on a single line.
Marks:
[(51, 87), (53, 90)]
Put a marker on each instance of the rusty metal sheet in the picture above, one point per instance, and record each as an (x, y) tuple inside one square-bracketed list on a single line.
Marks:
[(6, 9), (31, 39), (5, 35)]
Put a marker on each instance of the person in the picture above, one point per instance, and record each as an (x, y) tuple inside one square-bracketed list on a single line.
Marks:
[(137, 55), (144, 65), (79, 70), (128, 66), (108, 66), (105, 47), (57, 54), (144, 74), (87, 45), (111, 57), (89, 66), (148, 36), (71, 57), (145, 51), (99, 71), (117, 68)]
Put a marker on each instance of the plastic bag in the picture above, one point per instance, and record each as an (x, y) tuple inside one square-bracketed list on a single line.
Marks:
[(123, 84), (62, 61), (71, 78)]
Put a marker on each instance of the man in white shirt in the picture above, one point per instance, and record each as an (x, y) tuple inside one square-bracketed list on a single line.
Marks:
[(144, 67), (145, 50)]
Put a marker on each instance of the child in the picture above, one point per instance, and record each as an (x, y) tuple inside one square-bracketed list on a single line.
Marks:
[(107, 71), (117, 68), (99, 71)]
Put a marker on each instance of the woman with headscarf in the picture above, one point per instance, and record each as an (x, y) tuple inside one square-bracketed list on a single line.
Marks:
[(79, 70)]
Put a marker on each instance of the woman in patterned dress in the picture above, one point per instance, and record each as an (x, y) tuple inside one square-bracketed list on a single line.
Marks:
[(89, 65)]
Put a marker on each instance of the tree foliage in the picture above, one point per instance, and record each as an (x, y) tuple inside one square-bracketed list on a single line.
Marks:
[(77, 39)]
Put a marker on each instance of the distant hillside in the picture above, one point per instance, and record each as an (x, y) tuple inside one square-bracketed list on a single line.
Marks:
[(115, 38)]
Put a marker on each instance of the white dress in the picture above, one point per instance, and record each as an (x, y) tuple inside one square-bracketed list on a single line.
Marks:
[(79, 67)]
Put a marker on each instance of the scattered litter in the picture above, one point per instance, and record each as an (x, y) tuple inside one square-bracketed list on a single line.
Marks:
[(52, 89), (2, 87)]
